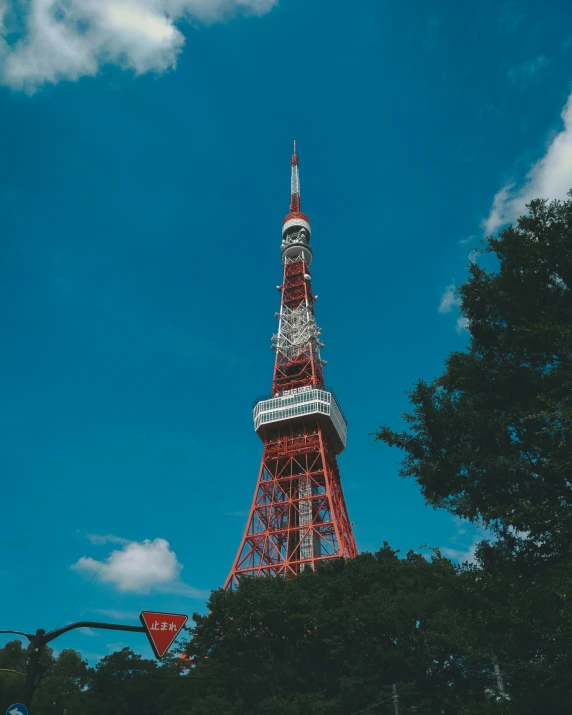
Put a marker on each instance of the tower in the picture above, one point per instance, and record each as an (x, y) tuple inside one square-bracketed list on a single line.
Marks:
[(298, 516)]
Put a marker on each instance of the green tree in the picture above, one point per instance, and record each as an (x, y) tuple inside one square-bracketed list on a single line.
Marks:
[(490, 440), (61, 687), (334, 641), (13, 657), (61, 690), (124, 683)]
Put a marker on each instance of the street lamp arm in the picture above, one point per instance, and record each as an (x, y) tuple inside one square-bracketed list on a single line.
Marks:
[(19, 633), (91, 624)]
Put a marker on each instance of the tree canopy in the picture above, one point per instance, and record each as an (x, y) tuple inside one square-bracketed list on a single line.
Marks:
[(331, 642), (339, 638), (489, 439)]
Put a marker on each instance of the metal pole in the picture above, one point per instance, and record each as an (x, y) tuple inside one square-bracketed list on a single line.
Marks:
[(500, 684), (33, 669), (395, 699)]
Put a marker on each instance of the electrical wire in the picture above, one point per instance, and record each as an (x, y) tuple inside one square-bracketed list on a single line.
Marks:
[(82, 593), (382, 702)]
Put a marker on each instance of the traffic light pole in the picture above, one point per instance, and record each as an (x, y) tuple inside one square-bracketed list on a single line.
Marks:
[(33, 669), (395, 699), (38, 640)]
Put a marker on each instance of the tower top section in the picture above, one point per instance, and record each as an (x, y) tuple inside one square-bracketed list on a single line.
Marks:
[(296, 228), (295, 184)]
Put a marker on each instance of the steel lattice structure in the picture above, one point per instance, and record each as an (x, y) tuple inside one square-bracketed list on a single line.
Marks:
[(299, 516)]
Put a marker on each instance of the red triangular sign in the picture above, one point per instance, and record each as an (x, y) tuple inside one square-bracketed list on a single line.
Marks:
[(162, 629)]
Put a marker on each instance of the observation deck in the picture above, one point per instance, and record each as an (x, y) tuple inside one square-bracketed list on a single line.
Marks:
[(302, 402)]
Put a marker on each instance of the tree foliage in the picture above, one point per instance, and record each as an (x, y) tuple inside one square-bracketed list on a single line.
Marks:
[(491, 441), (330, 643), (489, 438), (335, 641)]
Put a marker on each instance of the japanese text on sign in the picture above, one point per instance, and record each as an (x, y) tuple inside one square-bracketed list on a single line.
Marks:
[(164, 626)]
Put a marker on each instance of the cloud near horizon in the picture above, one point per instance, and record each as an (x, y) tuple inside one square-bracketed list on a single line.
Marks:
[(58, 40), (549, 178), (139, 567)]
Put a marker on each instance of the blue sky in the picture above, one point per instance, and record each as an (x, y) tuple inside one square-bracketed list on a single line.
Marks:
[(144, 178)]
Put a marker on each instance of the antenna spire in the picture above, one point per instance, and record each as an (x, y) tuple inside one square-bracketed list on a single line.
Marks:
[(295, 183)]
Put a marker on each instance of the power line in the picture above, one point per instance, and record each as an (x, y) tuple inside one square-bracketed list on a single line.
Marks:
[(82, 593), (381, 702)]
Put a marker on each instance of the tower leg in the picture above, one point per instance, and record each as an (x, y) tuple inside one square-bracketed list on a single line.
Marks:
[(298, 517)]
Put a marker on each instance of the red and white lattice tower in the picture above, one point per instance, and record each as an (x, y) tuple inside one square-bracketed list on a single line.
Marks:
[(298, 516)]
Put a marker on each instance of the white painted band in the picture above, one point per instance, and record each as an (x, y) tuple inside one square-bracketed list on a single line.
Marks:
[(296, 222)]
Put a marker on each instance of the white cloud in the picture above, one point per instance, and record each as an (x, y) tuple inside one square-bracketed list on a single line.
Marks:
[(510, 18), (449, 300), (141, 567), (522, 74), (462, 555), (465, 548), (550, 178), (106, 539), (462, 324), (473, 255), (72, 39), (114, 647), (117, 615)]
